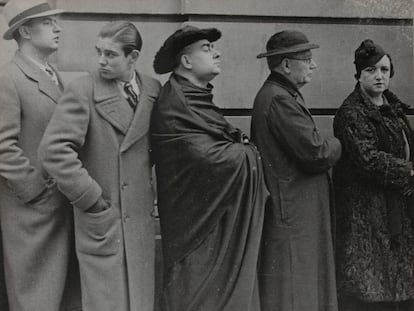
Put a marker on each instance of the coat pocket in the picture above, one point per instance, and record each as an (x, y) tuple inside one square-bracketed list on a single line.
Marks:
[(98, 233)]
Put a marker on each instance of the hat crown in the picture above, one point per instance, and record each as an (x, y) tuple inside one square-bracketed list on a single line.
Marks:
[(14, 8), (164, 60), (367, 50), (285, 39)]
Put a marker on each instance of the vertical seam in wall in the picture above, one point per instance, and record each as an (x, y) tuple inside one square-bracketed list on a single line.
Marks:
[(183, 6)]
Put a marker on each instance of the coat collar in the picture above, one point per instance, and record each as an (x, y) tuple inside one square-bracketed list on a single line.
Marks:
[(394, 104), (114, 108), (45, 84), (285, 83)]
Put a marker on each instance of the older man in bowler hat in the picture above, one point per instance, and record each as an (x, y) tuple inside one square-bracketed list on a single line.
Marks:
[(211, 191), (35, 219), (297, 263)]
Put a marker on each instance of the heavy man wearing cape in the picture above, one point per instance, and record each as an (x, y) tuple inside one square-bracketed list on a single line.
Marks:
[(211, 193)]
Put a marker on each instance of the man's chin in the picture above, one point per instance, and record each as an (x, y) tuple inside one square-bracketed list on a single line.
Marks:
[(105, 74)]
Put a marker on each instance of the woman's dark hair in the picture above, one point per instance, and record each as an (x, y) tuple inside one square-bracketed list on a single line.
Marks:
[(123, 32)]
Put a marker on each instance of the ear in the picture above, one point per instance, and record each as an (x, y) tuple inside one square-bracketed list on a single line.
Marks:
[(134, 55), (285, 65), (186, 62), (24, 32)]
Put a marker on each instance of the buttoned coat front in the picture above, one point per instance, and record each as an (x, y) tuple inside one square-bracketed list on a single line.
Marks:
[(36, 227), (297, 263), (96, 146)]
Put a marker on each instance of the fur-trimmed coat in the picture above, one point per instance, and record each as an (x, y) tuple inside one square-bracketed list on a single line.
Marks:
[(375, 242)]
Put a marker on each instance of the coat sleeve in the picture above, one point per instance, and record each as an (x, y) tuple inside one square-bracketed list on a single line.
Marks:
[(359, 139), (59, 148), (23, 178), (295, 129)]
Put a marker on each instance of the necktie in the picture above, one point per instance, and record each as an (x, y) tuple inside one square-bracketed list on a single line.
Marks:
[(132, 96), (52, 75)]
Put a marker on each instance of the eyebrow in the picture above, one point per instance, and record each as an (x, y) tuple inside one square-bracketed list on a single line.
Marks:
[(106, 50)]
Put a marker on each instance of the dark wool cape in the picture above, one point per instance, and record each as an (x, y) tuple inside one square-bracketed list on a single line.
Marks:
[(211, 198)]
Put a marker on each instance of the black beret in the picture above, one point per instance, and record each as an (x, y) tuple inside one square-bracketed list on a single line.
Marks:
[(164, 60)]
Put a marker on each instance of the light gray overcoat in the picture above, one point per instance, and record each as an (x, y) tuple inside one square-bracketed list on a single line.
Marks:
[(36, 236), (96, 146)]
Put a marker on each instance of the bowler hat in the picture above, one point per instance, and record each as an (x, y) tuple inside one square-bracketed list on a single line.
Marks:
[(285, 42), (164, 60), (17, 12)]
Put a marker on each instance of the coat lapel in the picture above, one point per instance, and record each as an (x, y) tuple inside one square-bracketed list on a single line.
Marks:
[(46, 85), (111, 105), (140, 123)]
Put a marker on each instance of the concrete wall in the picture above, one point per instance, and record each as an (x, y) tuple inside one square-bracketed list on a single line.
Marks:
[(338, 26)]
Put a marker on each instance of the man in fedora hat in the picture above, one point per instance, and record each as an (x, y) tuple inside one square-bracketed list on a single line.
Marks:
[(211, 192), (297, 263), (35, 219)]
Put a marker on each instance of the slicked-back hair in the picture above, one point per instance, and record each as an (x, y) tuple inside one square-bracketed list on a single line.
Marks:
[(124, 33)]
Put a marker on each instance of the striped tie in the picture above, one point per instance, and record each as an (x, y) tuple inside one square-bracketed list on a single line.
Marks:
[(132, 96)]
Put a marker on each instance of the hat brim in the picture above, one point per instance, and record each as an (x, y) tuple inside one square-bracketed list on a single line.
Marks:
[(292, 49), (164, 59), (8, 35)]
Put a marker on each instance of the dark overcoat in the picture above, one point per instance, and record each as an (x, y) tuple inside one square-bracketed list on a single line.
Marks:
[(375, 240), (297, 262), (36, 234), (96, 146)]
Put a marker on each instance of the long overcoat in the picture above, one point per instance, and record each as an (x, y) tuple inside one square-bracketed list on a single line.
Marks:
[(297, 263), (36, 236), (375, 237), (96, 146)]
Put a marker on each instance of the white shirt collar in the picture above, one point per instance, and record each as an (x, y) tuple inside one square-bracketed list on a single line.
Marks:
[(45, 68), (134, 84)]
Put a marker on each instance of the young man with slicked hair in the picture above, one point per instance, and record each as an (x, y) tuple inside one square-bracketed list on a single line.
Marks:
[(97, 148)]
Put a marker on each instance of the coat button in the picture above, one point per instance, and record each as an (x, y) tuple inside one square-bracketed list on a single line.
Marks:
[(126, 218), (124, 186)]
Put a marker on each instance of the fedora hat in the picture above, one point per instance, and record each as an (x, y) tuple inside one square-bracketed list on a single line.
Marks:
[(287, 41), (17, 12), (164, 60)]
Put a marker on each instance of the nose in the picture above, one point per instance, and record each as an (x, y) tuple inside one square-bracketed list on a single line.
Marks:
[(313, 64), (57, 27), (378, 74), (102, 60), (216, 53)]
